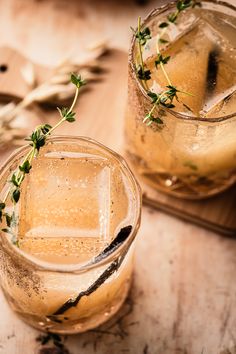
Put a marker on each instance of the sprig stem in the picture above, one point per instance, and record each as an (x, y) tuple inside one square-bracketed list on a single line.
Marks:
[(141, 52), (166, 97), (75, 99), (17, 175), (37, 140), (158, 53), (69, 111), (62, 120)]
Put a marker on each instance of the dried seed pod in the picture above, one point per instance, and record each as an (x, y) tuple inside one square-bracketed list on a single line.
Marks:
[(54, 92)]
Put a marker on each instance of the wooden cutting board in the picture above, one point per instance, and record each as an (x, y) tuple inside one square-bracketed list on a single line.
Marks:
[(104, 122), (12, 83), (217, 213)]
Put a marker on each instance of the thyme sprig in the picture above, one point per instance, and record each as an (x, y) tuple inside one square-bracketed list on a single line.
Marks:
[(142, 36), (36, 140), (167, 96)]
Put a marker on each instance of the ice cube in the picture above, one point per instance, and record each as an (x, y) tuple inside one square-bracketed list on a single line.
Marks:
[(202, 63), (220, 105), (187, 68), (73, 203), (171, 33), (221, 74), (67, 194), (223, 26)]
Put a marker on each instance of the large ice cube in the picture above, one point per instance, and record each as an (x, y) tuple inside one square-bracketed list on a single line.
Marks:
[(220, 105), (187, 68), (73, 203), (67, 194), (202, 63)]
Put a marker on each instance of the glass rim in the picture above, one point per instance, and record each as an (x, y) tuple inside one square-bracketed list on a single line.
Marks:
[(155, 12), (90, 264)]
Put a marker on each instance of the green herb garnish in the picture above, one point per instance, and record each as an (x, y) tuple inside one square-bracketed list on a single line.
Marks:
[(142, 36), (191, 165), (166, 97), (36, 140)]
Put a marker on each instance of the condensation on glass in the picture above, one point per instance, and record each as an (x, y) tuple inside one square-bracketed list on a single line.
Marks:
[(193, 154), (76, 199)]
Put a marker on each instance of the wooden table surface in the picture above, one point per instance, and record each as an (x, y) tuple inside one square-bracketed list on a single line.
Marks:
[(183, 298)]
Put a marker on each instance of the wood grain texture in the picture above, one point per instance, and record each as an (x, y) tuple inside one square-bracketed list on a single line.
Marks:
[(217, 213), (14, 63), (183, 299)]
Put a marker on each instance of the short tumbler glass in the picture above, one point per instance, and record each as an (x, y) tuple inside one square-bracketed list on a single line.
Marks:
[(188, 156), (69, 297)]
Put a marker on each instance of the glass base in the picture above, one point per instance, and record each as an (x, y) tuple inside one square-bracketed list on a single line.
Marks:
[(188, 186), (69, 326), (182, 188)]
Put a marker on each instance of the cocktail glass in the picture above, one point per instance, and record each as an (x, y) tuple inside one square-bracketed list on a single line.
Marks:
[(192, 152), (78, 217)]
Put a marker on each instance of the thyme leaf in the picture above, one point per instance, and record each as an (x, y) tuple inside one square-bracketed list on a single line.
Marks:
[(161, 59), (36, 140), (143, 35), (143, 74), (167, 96)]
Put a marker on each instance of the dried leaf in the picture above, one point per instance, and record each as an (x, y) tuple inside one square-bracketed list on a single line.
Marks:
[(28, 74), (55, 91), (5, 111)]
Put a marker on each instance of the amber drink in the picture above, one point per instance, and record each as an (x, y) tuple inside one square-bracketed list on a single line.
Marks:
[(79, 213), (192, 153)]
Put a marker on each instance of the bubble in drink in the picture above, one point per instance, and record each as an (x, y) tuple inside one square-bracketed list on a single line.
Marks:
[(190, 153), (69, 207), (202, 48), (78, 204)]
